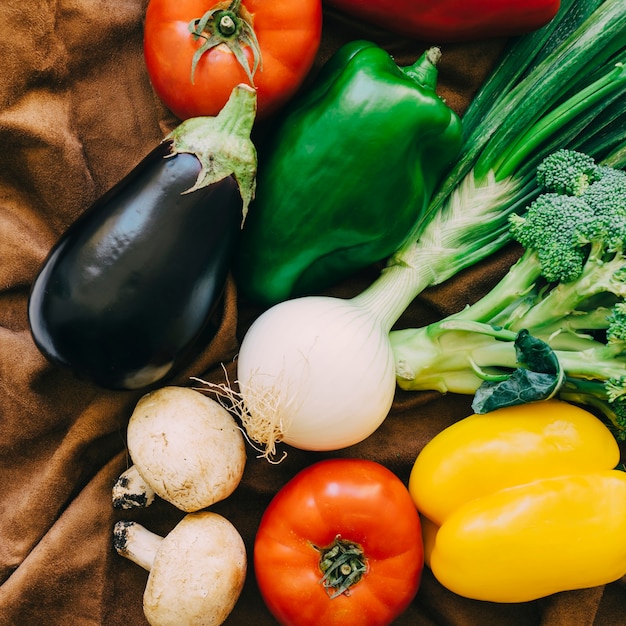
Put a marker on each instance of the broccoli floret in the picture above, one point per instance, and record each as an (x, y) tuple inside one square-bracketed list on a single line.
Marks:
[(561, 227), (566, 172), (567, 291), (607, 198), (616, 330), (554, 226), (607, 194), (615, 388)]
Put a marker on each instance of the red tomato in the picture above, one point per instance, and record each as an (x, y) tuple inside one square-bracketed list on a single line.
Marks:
[(288, 34), (359, 503)]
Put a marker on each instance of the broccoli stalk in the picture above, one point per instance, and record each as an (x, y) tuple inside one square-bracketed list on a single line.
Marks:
[(555, 324), (597, 395)]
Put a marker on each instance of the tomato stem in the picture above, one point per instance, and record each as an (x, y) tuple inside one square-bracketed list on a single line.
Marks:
[(343, 564), (228, 24)]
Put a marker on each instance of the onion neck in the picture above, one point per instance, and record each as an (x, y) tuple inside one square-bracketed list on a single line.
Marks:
[(399, 283)]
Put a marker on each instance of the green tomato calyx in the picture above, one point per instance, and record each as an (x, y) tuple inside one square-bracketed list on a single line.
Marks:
[(343, 564), (229, 24)]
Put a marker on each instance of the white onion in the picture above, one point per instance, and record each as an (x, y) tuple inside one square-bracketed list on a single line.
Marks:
[(317, 373)]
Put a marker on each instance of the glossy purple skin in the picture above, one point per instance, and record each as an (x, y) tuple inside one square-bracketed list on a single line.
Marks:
[(127, 293)]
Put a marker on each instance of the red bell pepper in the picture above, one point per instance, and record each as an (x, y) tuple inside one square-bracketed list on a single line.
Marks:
[(440, 21)]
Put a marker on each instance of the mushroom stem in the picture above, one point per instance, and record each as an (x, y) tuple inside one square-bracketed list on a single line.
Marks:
[(131, 490), (136, 543)]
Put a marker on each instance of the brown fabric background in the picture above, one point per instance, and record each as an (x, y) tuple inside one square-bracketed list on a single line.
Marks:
[(76, 113)]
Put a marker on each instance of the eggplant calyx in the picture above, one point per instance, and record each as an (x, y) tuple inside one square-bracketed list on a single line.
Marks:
[(222, 144), (229, 24)]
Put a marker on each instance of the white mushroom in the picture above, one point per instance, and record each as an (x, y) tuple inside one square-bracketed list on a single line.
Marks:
[(185, 446), (131, 490), (197, 571)]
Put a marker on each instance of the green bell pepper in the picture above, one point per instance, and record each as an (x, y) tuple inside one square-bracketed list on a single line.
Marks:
[(347, 174)]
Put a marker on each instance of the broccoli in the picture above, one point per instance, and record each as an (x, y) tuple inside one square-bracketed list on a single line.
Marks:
[(554, 229), (555, 324), (599, 396), (566, 172)]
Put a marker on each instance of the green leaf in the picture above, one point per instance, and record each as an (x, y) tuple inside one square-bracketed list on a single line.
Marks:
[(536, 354), (538, 377)]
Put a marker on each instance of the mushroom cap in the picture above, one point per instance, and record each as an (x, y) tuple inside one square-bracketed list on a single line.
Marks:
[(198, 573), (186, 446)]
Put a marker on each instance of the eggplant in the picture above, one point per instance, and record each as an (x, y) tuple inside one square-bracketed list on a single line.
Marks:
[(127, 292)]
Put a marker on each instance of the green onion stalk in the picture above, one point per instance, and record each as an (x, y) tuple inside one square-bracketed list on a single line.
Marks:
[(563, 86)]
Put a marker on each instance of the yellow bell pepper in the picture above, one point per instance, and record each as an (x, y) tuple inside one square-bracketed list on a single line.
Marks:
[(510, 446), (522, 503)]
